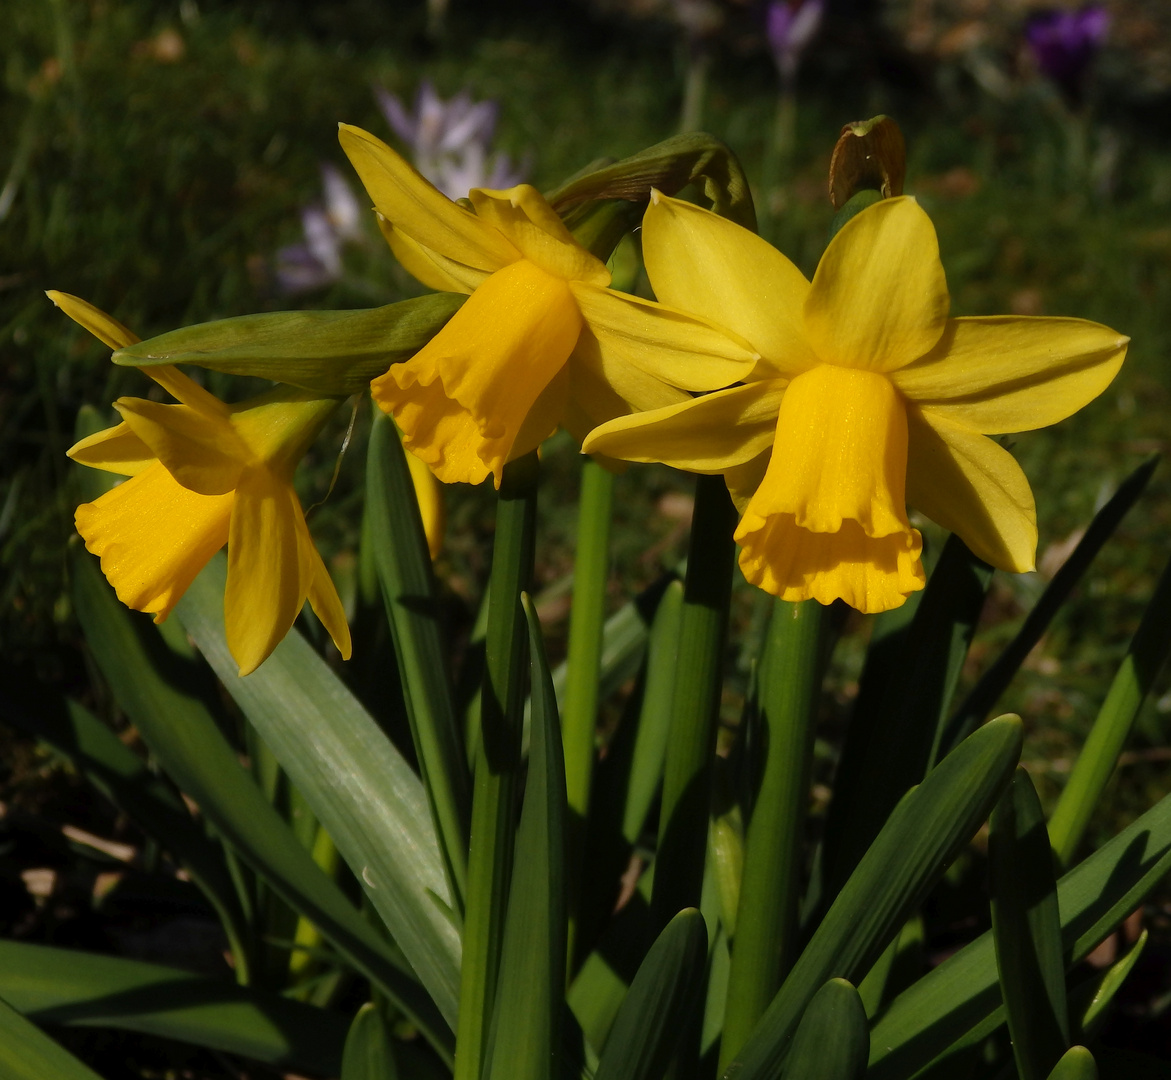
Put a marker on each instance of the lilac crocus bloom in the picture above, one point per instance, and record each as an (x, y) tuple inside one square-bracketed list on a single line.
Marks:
[(450, 141), (328, 226), (1064, 42), (790, 26)]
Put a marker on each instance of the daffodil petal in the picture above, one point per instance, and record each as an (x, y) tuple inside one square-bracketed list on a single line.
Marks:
[(743, 480), (186, 390), (267, 579), (879, 297), (278, 427), (603, 387), (973, 487), (323, 597), (429, 493), (544, 416), (681, 350), (531, 225), (840, 452), (439, 431), (153, 536), (105, 328), (418, 209), (491, 362), (116, 450), (871, 575), (202, 455), (427, 266), (710, 434), (705, 264), (1011, 373)]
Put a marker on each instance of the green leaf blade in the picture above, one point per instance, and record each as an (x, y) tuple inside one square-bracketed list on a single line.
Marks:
[(1026, 929), (361, 789), (526, 1028), (369, 1054), (67, 986), (833, 1039), (403, 565), (927, 830), (962, 993), (660, 1003)]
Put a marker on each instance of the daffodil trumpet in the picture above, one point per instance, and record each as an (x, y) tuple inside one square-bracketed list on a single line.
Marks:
[(542, 342), (867, 396), (202, 474)]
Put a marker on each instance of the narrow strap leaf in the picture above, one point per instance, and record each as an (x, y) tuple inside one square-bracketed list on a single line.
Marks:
[(1076, 1064), (1099, 755), (962, 993), (526, 1029), (362, 791), (660, 1004), (1026, 929), (67, 986), (984, 695), (497, 762), (369, 1054), (833, 1038), (403, 565), (27, 1053), (686, 801), (891, 750), (919, 840)]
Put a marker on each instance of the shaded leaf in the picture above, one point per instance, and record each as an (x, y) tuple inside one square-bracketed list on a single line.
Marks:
[(832, 1040), (660, 1004), (962, 992), (65, 986), (926, 831), (527, 1024), (1026, 929), (368, 1054), (27, 1053)]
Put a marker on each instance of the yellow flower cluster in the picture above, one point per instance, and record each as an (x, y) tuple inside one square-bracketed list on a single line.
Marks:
[(826, 405)]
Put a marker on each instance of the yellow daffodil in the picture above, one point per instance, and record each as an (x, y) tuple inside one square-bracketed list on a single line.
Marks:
[(867, 396), (541, 342), (201, 474)]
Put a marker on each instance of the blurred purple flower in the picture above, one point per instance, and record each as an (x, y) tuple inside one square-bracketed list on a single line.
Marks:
[(790, 26), (328, 225), (450, 140), (1064, 42)]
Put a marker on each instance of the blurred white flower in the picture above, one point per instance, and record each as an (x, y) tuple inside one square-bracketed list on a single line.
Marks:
[(328, 226), (450, 141)]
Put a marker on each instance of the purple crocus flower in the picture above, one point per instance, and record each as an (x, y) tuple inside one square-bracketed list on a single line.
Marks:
[(328, 225), (450, 140), (790, 26), (1064, 42)]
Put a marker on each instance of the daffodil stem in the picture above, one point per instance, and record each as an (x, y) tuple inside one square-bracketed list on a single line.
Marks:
[(687, 780), (579, 713), (1096, 763), (497, 763), (766, 925)]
